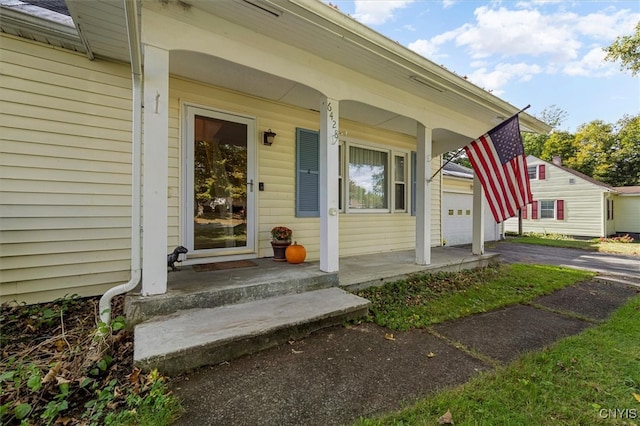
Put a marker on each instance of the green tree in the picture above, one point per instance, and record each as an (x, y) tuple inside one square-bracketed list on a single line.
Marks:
[(624, 154), (593, 141), (626, 50), (561, 144), (553, 115), (461, 158), (534, 143)]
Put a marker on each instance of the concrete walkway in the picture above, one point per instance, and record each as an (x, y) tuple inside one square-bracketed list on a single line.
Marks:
[(339, 374)]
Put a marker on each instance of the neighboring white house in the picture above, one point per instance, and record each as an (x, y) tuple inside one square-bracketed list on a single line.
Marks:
[(571, 203), (130, 127), (457, 208)]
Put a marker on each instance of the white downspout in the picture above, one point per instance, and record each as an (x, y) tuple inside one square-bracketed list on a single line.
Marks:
[(131, 12)]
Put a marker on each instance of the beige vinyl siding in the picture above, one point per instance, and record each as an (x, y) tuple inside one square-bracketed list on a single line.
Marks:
[(276, 205), (626, 213), (584, 213), (65, 173)]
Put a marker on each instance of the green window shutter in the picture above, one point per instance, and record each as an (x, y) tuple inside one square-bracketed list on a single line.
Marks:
[(307, 173)]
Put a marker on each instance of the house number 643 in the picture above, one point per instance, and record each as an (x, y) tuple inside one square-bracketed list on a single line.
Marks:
[(334, 124)]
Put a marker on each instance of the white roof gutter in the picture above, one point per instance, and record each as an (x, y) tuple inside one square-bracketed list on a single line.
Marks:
[(135, 52)]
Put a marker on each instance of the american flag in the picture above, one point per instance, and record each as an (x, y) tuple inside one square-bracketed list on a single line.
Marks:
[(499, 162)]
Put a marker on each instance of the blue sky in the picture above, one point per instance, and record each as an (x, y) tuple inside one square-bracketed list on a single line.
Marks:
[(547, 53)]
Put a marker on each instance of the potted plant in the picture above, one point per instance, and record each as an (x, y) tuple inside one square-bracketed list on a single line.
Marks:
[(280, 240)]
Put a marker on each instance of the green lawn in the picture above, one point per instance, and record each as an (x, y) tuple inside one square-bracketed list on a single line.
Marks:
[(425, 299), (581, 380), (588, 379), (593, 245)]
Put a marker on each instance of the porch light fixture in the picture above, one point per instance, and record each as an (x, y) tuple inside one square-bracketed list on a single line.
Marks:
[(269, 137)]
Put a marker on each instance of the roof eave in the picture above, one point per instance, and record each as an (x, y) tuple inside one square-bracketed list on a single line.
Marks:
[(423, 67)]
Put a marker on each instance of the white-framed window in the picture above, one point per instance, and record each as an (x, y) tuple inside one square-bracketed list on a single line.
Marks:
[(537, 172), (368, 173), (547, 209), (400, 182), (370, 178), (374, 179)]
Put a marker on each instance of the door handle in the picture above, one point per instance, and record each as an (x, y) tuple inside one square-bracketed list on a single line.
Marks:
[(250, 183)]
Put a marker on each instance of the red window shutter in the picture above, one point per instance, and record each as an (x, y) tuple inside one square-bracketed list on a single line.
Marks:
[(560, 209), (541, 172), (534, 210), (524, 211)]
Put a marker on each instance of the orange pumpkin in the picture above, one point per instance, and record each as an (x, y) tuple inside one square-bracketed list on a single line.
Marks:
[(295, 253)]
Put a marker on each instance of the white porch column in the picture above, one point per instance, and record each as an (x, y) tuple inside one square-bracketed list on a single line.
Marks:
[(329, 142), (477, 241), (155, 170), (423, 196)]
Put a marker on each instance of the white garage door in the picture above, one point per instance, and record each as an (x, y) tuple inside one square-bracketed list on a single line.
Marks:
[(457, 220)]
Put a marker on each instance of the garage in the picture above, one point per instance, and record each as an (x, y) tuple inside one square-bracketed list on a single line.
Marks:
[(457, 208)]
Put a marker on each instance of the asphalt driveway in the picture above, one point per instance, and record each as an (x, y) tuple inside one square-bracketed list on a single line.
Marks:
[(603, 263)]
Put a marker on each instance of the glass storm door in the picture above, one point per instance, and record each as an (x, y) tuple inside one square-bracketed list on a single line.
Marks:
[(219, 182)]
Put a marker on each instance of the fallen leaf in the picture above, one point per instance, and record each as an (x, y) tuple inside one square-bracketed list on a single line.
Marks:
[(430, 355), (389, 336), (446, 419), (60, 380), (296, 352), (133, 377), (53, 372), (636, 396)]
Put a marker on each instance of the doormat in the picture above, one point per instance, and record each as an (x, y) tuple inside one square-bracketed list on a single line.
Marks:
[(221, 266)]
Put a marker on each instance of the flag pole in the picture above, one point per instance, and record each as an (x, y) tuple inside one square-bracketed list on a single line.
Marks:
[(458, 152)]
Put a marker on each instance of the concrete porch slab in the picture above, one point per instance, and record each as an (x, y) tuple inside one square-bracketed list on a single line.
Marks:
[(359, 272), (197, 337)]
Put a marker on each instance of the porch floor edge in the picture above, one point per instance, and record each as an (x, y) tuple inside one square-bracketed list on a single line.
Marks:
[(198, 337), (360, 272)]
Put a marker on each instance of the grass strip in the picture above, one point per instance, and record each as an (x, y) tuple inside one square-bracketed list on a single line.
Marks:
[(591, 245), (588, 379), (426, 299)]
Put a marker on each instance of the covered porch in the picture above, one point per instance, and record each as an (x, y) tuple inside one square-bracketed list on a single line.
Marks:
[(237, 282), (210, 317)]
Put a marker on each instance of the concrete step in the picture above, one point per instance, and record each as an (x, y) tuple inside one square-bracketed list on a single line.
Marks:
[(189, 289), (197, 337)]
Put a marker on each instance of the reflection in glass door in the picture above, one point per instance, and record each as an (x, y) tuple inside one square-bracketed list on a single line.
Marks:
[(220, 189)]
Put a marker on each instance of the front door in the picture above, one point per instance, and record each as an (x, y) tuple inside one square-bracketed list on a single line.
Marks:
[(219, 201)]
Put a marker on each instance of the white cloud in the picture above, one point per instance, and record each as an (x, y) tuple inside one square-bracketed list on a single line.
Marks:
[(430, 48), (376, 12), (592, 65), (426, 48), (446, 4), (502, 74), (509, 33), (607, 27), (565, 42)]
